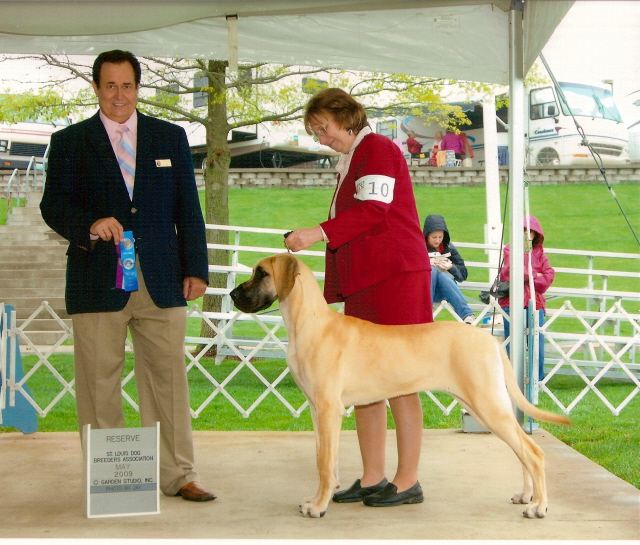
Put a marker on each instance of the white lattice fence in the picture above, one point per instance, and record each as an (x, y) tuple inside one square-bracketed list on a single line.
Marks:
[(227, 342), (591, 345), (594, 354), (43, 354)]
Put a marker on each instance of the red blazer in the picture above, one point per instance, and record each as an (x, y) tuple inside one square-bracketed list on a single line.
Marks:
[(376, 231)]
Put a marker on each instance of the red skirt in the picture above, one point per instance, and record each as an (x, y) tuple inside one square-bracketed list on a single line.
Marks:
[(400, 300)]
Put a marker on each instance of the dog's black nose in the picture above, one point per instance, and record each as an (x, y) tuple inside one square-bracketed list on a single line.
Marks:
[(234, 294)]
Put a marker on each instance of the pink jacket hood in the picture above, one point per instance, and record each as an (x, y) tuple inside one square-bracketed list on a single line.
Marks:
[(534, 225)]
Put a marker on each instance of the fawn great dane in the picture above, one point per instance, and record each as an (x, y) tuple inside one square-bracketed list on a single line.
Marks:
[(339, 361)]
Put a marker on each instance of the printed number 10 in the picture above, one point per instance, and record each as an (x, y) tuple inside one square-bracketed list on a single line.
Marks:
[(384, 189)]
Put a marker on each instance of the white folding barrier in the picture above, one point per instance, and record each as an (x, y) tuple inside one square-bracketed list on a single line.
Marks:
[(599, 341)]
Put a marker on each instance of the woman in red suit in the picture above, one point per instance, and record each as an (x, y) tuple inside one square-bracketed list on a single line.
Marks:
[(413, 146), (377, 263)]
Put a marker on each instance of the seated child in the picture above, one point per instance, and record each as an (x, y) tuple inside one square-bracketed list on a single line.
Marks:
[(447, 267)]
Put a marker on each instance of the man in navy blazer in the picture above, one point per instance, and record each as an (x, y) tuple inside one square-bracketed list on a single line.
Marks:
[(87, 201)]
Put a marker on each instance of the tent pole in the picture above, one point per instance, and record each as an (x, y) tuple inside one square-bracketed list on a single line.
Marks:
[(516, 179), (493, 227)]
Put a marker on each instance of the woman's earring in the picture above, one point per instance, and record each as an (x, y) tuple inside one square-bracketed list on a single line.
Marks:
[(350, 131)]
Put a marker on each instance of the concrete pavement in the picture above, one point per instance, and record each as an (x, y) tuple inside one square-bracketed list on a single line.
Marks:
[(260, 478)]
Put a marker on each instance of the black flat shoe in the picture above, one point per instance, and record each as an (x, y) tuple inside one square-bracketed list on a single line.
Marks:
[(357, 493), (390, 497)]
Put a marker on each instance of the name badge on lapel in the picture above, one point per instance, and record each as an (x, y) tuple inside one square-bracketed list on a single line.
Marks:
[(163, 163)]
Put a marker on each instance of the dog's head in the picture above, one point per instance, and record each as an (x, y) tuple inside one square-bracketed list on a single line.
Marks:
[(273, 278)]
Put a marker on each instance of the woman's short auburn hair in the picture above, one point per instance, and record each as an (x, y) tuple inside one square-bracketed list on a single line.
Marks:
[(345, 111)]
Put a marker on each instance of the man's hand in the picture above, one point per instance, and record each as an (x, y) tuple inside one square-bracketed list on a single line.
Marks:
[(193, 287), (301, 239), (108, 229)]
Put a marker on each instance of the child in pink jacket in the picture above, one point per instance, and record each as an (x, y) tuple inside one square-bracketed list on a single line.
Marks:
[(543, 275)]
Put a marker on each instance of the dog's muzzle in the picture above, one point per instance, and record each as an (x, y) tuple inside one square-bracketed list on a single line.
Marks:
[(250, 300)]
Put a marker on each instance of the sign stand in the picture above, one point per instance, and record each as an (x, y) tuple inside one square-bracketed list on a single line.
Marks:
[(122, 472)]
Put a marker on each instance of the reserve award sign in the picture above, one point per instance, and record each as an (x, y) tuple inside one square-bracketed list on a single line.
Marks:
[(121, 471)]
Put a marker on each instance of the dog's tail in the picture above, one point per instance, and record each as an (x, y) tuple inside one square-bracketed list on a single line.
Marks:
[(521, 401)]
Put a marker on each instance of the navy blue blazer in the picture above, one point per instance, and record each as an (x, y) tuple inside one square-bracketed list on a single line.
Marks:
[(84, 184)]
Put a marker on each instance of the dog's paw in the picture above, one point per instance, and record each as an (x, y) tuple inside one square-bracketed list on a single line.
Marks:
[(520, 497), (534, 511), (312, 510)]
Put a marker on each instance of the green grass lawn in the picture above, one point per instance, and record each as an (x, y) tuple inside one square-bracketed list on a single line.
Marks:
[(581, 217), (576, 217), (611, 441)]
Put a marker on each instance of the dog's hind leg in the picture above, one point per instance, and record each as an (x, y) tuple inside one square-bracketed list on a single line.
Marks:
[(534, 491), (519, 497), (499, 419), (527, 488), (327, 424), (527, 493)]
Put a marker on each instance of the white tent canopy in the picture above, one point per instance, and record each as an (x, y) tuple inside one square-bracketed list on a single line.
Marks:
[(476, 40), (463, 39)]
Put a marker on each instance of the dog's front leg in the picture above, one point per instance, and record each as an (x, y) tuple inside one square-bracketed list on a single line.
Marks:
[(327, 424), (314, 420)]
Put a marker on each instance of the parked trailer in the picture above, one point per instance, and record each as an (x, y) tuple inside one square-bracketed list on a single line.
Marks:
[(19, 142)]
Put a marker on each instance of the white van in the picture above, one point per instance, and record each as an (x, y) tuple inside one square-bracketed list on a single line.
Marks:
[(551, 138)]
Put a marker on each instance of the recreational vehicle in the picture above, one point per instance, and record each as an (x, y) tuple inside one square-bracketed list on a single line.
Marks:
[(551, 135)]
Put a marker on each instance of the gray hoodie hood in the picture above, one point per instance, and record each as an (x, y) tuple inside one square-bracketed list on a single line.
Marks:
[(435, 222)]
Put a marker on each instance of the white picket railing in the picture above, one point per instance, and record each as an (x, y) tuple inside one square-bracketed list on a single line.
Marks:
[(4, 332), (589, 343)]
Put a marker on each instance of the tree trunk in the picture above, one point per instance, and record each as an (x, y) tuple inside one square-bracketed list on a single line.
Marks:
[(216, 178)]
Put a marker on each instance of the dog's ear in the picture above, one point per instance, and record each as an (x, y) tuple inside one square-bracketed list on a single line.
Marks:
[(285, 270)]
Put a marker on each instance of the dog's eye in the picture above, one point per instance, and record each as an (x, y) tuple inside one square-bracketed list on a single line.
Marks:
[(260, 274)]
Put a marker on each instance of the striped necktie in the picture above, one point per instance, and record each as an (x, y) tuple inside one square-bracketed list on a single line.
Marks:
[(126, 158)]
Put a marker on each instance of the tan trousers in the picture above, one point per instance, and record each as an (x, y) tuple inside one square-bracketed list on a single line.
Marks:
[(160, 372)]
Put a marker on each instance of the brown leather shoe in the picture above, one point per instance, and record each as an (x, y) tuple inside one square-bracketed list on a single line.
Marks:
[(194, 491)]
